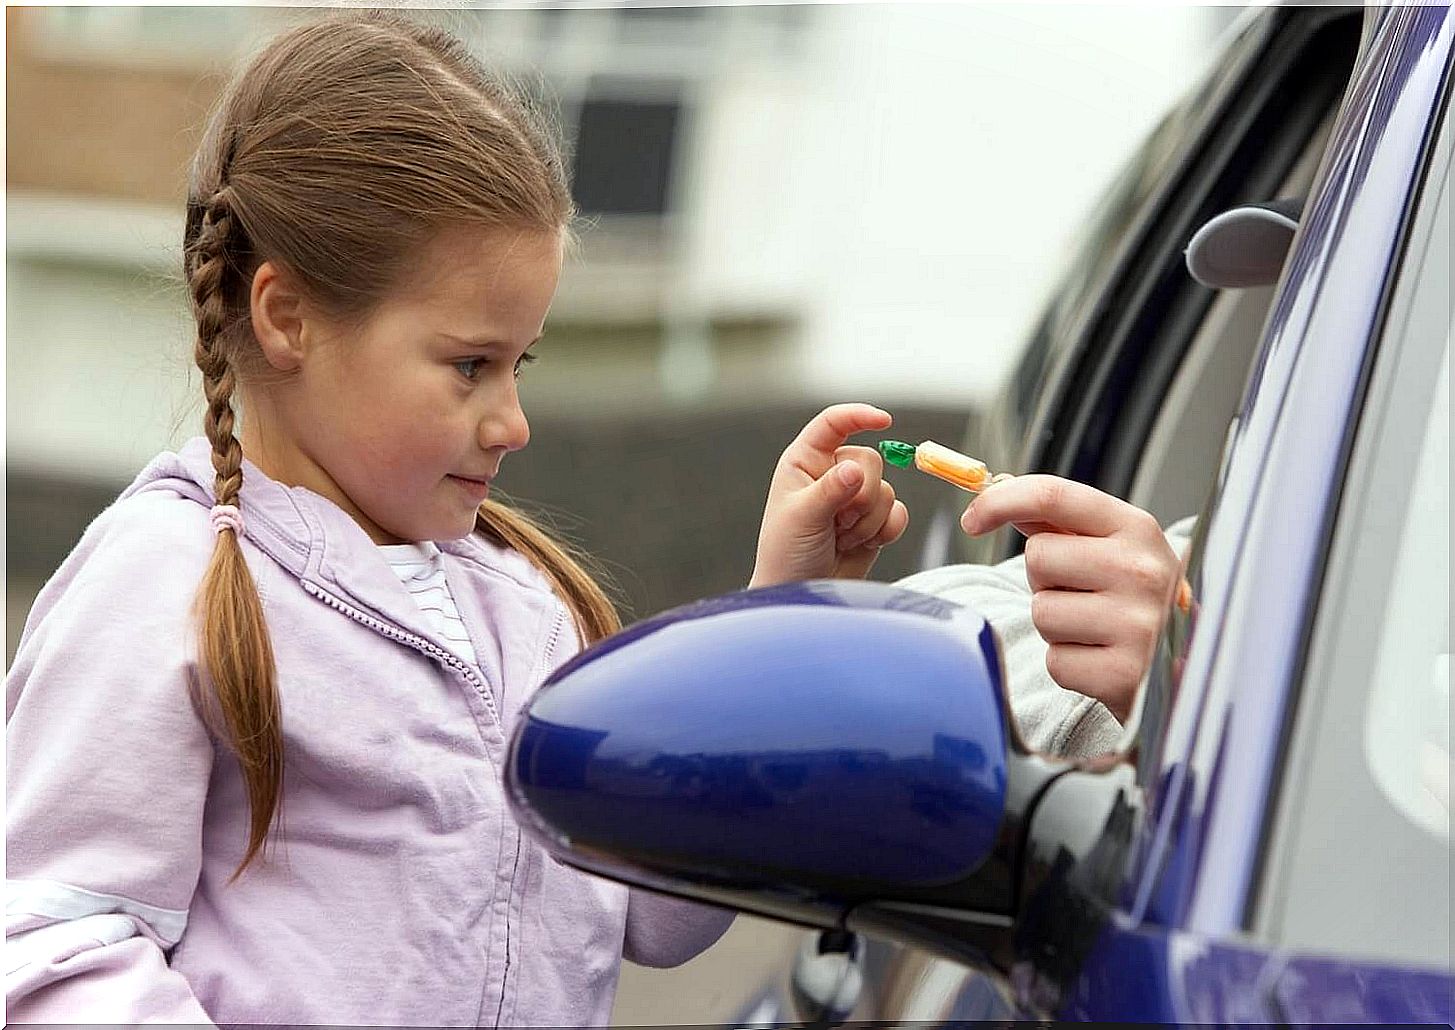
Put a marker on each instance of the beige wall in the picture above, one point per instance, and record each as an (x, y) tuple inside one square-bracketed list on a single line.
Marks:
[(86, 126)]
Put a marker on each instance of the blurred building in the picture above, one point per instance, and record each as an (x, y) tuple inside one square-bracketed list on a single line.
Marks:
[(786, 206)]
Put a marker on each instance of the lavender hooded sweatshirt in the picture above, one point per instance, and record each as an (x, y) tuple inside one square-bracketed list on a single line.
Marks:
[(401, 892)]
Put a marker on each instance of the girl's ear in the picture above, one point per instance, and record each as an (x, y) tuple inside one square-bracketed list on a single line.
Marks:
[(278, 317)]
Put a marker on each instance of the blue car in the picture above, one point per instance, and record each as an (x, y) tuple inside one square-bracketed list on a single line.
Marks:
[(1271, 841)]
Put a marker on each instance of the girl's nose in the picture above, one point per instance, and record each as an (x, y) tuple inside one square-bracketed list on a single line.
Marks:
[(505, 425)]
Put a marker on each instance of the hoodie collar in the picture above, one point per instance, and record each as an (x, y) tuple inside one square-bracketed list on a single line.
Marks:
[(316, 540)]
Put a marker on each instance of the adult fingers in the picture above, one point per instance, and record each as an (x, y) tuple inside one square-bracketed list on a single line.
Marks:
[(1073, 617), (1035, 502), (1065, 561), (1109, 674)]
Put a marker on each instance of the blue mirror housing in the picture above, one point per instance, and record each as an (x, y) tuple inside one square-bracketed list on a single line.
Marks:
[(796, 751)]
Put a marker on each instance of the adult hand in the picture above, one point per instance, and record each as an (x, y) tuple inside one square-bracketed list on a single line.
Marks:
[(1102, 577)]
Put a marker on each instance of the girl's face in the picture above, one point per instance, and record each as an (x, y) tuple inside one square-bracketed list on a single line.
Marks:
[(405, 423)]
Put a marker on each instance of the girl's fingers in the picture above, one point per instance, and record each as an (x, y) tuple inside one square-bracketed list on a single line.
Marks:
[(869, 457), (867, 497), (894, 526), (856, 564), (868, 527), (812, 451)]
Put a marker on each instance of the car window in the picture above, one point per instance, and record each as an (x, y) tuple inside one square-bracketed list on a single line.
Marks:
[(1177, 464), (1108, 225), (1088, 388), (999, 437), (1407, 720), (1359, 858)]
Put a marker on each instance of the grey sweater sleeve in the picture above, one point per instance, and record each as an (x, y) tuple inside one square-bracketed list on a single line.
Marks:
[(1051, 718)]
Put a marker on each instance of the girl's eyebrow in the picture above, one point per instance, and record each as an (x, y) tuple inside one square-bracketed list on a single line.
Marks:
[(486, 341)]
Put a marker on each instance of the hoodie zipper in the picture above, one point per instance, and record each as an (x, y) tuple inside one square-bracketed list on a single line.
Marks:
[(447, 659), (421, 645)]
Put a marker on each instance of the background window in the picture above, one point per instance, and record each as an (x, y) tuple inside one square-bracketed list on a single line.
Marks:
[(623, 155)]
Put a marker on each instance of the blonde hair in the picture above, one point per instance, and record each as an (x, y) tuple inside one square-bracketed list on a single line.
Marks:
[(342, 148)]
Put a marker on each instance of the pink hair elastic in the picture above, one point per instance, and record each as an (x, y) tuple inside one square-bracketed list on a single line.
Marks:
[(227, 516)]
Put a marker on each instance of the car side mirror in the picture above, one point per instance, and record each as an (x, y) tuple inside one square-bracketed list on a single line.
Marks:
[(833, 753)]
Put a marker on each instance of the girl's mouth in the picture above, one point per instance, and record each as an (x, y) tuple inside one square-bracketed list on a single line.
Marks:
[(478, 489)]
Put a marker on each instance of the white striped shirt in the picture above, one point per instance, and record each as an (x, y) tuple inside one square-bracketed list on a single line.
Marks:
[(421, 569)]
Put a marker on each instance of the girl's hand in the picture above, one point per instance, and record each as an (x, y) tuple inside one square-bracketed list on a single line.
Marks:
[(829, 510), (1102, 578)]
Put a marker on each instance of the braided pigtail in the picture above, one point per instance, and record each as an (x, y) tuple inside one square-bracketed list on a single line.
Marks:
[(337, 152), (237, 656)]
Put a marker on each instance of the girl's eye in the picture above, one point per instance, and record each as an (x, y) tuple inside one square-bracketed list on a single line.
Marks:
[(469, 368)]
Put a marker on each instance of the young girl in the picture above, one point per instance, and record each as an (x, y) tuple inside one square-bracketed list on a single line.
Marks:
[(257, 720)]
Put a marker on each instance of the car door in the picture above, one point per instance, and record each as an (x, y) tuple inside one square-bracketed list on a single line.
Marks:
[(1159, 962), (1355, 872), (1276, 848)]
